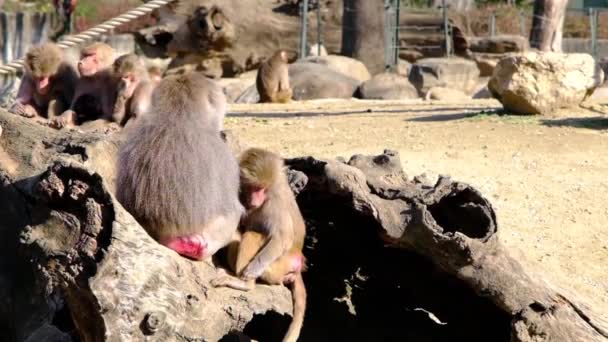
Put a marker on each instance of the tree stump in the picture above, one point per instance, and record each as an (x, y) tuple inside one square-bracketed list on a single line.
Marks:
[(390, 258)]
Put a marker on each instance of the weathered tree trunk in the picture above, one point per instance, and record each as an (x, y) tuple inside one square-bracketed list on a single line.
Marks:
[(97, 274), (454, 226), (547, 25), (363, 32), (73, 262)]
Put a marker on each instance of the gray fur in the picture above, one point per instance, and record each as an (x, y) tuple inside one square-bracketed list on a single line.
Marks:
[(175, 173)]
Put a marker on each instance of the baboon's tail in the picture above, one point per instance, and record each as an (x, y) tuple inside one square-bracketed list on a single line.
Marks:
[(299, 307)]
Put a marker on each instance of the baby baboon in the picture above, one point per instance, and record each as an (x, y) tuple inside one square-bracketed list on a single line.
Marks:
[(95, 91), (176, 175), (273, 232), (272, 81), (134, 88), (47, 88), (155, 73)]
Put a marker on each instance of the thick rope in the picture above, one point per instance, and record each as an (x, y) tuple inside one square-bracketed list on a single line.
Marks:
[(16, 65)]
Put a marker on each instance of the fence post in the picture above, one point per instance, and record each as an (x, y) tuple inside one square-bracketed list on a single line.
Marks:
[(446, 30), (396, 35), (303, 27), (388, 35), (522, 23), (492, 24), (319, 42), (593, 18)]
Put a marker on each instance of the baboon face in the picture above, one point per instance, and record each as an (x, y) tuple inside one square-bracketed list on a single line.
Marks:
[(43, 84), (88, 64)]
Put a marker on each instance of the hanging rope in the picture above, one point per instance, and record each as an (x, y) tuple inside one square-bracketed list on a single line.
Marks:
[(16, 65)]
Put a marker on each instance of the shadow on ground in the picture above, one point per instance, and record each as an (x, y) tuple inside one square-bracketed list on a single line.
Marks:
[(597, 122), (467, 111)]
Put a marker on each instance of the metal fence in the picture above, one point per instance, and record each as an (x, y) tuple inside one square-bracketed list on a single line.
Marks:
[(435, 29), (422, 23)]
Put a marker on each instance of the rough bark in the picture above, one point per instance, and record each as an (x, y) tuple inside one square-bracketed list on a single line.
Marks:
[(74, 264), (547, 25), (275, 25), (454, 226), (363, 33)]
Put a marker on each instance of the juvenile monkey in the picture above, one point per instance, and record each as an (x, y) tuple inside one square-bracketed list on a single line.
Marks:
[(155, 73), (272, 80), (273, 232), (95, 91), (134, 89), (47, 87), (176, 175)]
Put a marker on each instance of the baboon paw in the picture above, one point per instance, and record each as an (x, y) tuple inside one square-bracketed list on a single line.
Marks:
[(220, 281)]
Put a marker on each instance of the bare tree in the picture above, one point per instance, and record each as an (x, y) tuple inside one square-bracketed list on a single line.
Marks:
[(547, 25), (363, 32)]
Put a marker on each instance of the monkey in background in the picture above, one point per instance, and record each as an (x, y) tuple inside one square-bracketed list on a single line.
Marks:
[(134, 89), (176, 175), (272, 80), (47, 87), (95, 93), (272, 233)]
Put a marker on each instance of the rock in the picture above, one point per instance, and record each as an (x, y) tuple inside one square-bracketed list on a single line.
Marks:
[(600, 93), (234, 87), (603, 62), (344, 65), (122, 43), (403, 67), (411, 55), (486, 62), (482, 91), (499, 44), (539, 83), (388, 86), (446, 94), (316, 50), (311, 81), (455, 73), (250, 95)]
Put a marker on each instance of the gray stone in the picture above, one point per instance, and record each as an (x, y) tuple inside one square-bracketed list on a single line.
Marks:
[(455, 73), (388, 86), (344, 65)]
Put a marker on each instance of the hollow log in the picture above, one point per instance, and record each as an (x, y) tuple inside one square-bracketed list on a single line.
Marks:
[(454, 226), (390, 258)]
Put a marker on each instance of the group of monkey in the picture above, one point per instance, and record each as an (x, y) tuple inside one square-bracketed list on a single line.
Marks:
[(109, 89), (176, 175)]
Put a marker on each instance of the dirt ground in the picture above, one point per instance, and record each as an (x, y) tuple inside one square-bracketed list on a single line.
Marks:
[(547, 177)]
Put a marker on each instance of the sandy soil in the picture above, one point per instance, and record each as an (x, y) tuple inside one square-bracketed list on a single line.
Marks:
[(547, 177)]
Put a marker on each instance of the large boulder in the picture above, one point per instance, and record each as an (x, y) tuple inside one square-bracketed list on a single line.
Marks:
[(388, 86), (539, 83), (481, 91), (311, 81), (455, 73), (344, 65), (499, 44)]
